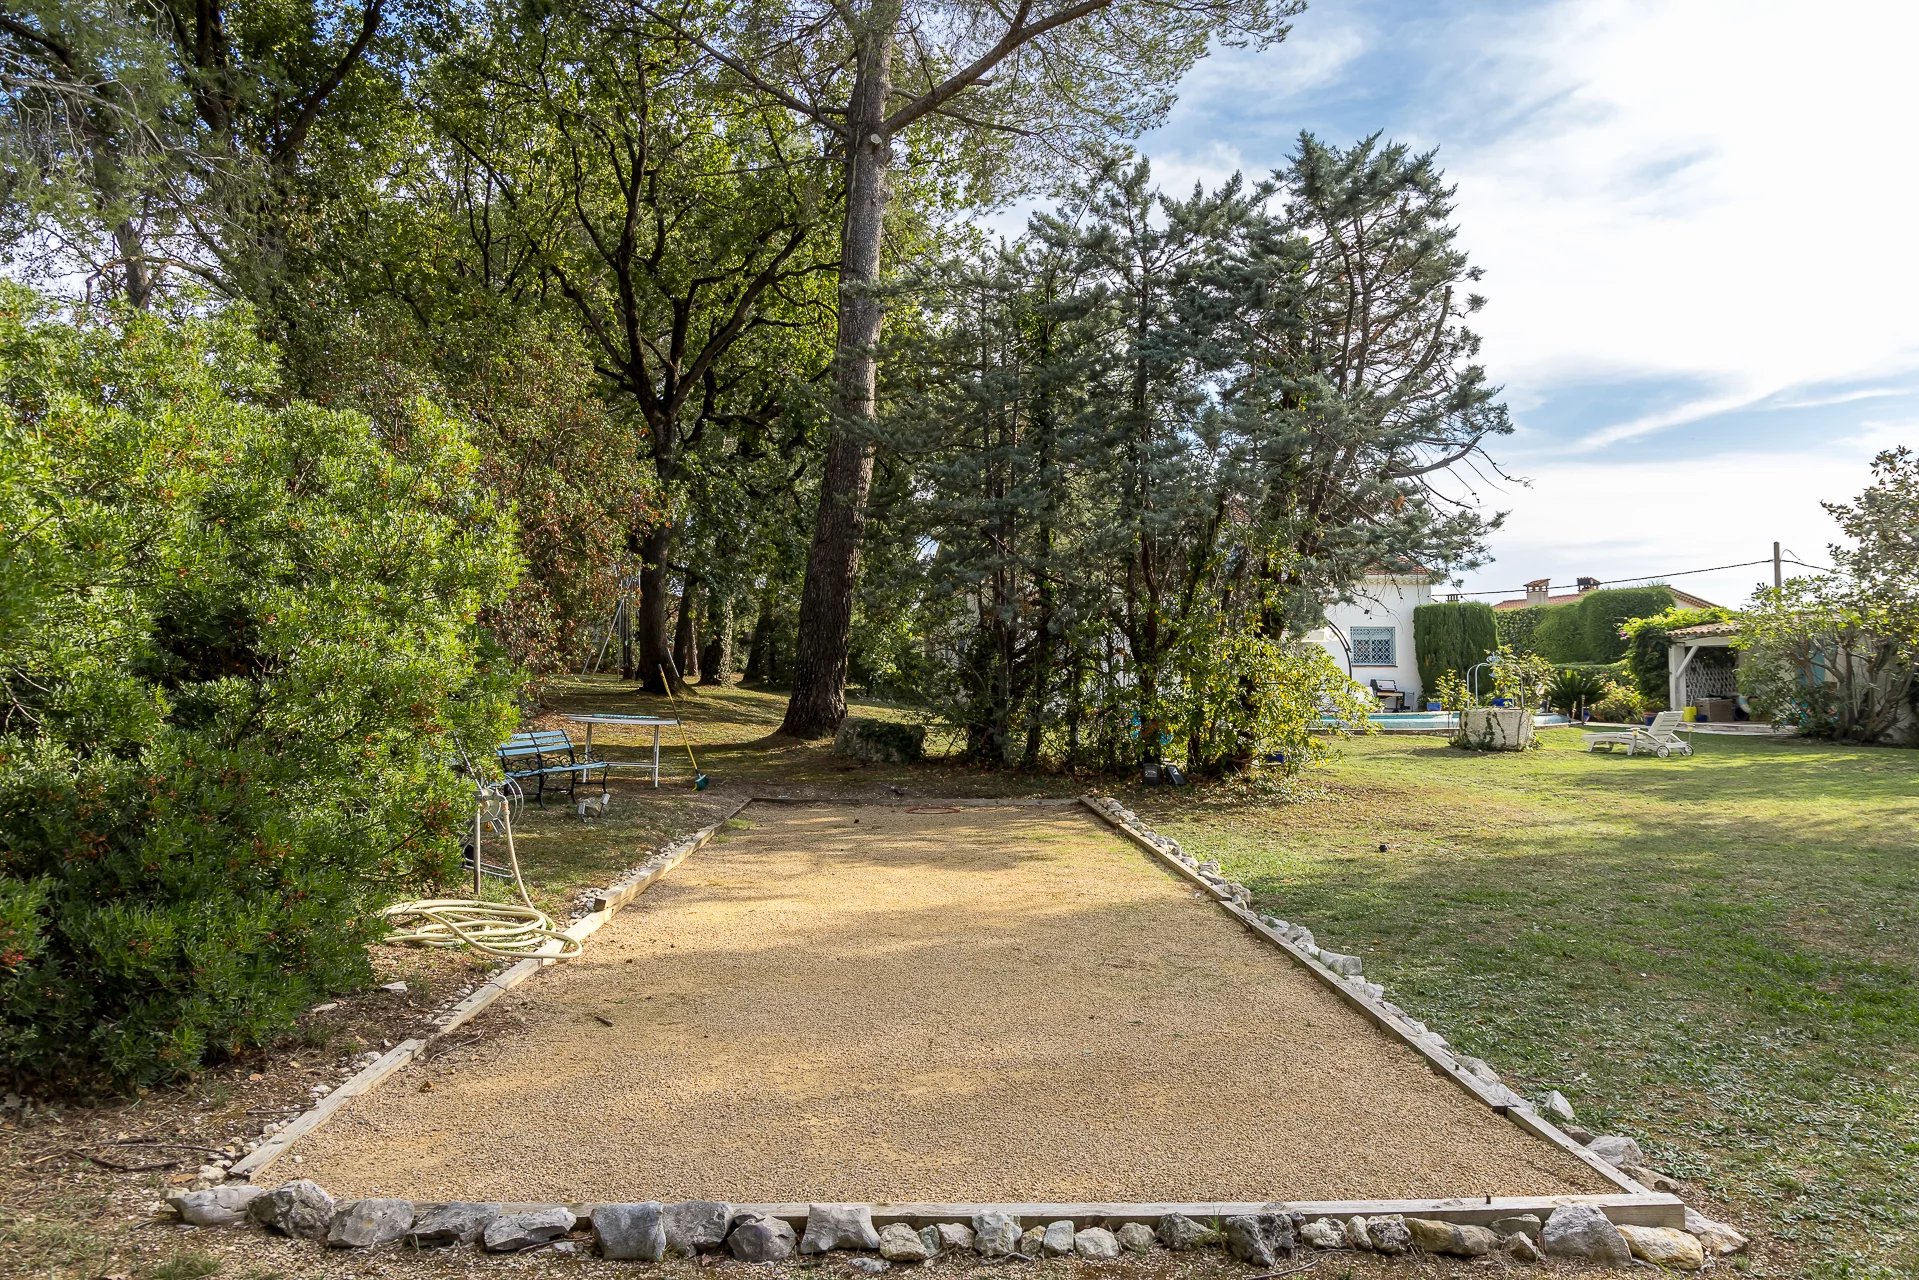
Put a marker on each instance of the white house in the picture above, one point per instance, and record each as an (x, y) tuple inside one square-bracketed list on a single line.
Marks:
[(1372, 637)]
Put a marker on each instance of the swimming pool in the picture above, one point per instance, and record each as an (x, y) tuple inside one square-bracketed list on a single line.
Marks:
[(1431, 721)]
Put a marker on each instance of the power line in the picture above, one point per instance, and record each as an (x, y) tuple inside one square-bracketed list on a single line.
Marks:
[(1645, 577)]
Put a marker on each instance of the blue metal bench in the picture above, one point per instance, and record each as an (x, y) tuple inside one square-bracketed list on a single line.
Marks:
[(548, 753)]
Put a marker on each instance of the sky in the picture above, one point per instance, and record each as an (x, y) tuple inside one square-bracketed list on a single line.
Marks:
[(1695, 221)]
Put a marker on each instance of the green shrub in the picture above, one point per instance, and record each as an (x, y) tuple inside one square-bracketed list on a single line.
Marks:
[(1451, 638), (1584, 630), (1573, 688), (1558, 637), (1647, 640), (237, 647), (1516, 627), (1620, 704), (1521, 678), (1452, 693), (882, 741)]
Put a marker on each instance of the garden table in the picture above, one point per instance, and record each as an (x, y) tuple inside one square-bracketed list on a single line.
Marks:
[(655, 723)]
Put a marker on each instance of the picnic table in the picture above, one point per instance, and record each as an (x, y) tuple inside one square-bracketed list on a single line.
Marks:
[(655, 723)]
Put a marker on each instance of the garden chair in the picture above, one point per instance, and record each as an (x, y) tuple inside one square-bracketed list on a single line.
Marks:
[(1660, 738), (1391, 696), (544, 754)]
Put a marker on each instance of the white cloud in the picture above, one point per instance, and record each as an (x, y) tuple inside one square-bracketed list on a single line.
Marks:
[(1700, 190), (1630, 520), (1175, 172)]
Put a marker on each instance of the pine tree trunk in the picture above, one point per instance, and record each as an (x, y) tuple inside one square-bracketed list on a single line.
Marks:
[(818, 702)]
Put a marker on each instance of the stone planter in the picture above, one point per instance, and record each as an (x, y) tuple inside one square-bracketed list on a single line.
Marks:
[(1495, 729)]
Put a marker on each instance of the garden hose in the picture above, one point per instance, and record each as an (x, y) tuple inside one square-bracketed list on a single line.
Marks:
[(507, 930)]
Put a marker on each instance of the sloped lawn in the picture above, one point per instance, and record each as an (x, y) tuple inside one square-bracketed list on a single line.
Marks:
[(1719, 956)]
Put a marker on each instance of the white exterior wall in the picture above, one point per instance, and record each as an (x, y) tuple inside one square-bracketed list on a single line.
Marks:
[(1383, 600)]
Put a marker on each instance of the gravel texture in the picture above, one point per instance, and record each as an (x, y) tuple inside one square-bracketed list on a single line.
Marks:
[(904, 1003)]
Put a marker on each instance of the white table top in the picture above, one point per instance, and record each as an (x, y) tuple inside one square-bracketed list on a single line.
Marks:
[(608, 718)]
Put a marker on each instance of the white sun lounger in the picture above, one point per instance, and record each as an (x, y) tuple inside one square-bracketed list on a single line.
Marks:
[(1660, 738)]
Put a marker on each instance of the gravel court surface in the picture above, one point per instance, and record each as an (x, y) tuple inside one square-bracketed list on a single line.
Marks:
[(894, 1003)]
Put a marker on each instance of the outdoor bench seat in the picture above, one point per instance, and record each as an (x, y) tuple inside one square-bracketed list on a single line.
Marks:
[(548, 753)]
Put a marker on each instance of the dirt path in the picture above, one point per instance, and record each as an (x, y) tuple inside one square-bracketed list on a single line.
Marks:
[(872, 1003)]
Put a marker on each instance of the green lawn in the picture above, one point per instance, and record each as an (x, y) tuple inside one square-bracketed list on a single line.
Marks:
[(1719, 956)]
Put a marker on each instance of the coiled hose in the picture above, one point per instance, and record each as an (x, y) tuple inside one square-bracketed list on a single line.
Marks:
[(504, 929)]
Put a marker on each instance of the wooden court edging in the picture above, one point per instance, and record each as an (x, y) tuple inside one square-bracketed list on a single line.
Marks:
[(1646, 1206), (605, 904)]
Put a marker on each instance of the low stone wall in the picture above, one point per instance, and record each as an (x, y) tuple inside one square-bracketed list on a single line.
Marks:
[(649, 1231)]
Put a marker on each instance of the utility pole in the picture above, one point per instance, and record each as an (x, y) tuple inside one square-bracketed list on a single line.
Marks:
[(1778, 577)]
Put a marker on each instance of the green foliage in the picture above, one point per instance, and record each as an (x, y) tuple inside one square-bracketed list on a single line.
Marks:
[(1521, 678), (237, 649), (1516, 627), (1573, 688), (1602, 613), (1558, 636), (1242, 696), (1585, 630), (1452, 692), (1838, 655), (1619, 704), (1114, 424), (1647, 640), (1817, 655), (885, 741), (1450, 638)]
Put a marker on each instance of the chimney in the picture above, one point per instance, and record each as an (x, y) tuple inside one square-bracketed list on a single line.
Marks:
[(1587, 584), (1536, 590)]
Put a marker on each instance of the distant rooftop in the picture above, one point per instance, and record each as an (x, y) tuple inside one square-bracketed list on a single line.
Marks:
[(1539, 592)]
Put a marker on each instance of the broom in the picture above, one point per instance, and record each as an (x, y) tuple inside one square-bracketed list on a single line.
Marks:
[(699, 779)]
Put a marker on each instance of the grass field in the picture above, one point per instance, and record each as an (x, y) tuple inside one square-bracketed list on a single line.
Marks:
[(1719, 956)]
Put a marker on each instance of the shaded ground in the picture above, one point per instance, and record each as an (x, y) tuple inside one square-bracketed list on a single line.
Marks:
[(883, 1003)]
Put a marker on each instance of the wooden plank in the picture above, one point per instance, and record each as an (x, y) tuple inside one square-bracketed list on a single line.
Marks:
[(615, 896), (486, 993), (1441, 1062), (366, 1078)]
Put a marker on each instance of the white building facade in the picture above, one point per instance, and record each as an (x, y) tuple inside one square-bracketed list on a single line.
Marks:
[(1372, 637)]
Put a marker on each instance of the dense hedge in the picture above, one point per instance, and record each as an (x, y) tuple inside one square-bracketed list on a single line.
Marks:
[(1451, 638), (1516, 627), (1602, 613), (1585, 630), (236, 647)]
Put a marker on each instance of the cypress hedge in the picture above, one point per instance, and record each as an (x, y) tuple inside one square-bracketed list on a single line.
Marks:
[(1584, 630), (1452, 637)]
